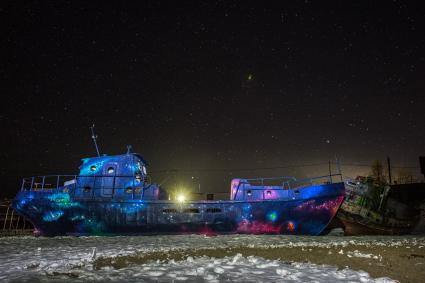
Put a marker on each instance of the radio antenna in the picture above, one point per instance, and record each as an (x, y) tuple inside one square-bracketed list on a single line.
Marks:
[(94, 137)]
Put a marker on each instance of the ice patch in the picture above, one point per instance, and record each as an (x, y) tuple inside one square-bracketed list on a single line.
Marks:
[(245, 269), (356, 253)]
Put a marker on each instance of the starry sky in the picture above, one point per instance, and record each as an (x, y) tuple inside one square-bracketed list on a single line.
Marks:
[(213, 89)]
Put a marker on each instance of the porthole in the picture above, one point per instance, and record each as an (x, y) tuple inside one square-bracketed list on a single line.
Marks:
[(269, 193), (129, 190), (87, 189), (249, 193), (93, 168), (111, 170)]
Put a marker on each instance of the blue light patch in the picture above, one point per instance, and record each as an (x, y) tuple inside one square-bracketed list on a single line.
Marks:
[(62, 200), (272, 216), (78, 217), (52, 215), (86, 168), (133, 208)]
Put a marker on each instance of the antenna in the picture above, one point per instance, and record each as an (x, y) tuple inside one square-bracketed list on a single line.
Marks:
[(94, 137)]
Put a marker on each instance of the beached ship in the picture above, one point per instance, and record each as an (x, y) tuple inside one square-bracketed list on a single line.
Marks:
[(374, 208), (112, 195)]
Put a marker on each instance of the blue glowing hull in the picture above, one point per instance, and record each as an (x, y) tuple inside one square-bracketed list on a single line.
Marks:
[(305, 211)]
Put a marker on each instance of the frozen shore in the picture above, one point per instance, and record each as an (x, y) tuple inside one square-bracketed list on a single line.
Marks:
[(243, 258)]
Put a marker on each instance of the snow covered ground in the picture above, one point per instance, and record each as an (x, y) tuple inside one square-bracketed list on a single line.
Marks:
[(72, 258)]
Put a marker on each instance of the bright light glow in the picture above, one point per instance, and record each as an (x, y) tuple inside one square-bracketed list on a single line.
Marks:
[(181, 198)]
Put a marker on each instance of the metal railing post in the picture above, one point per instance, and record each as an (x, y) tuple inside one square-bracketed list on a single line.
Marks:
[(42, 183), (5, 220), (75, 185), (57, 182), (32, 183), (236, 193)]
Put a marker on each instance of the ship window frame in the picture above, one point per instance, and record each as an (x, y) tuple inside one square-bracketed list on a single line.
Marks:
[(213, 210), (86, 189), (191, 210), (110, 170), (93, 168), (129, 190)]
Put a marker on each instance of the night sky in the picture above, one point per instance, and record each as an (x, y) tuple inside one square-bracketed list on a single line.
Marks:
[(211, 88)]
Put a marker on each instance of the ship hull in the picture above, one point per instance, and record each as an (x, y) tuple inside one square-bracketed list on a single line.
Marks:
[(58, 213), (355, 225)]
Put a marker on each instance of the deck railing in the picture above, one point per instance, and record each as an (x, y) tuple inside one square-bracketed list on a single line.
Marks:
[(87, 184), (287, 182), (12, 223)]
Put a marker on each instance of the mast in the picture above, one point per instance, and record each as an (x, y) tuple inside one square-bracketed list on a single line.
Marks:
[(94, 137)]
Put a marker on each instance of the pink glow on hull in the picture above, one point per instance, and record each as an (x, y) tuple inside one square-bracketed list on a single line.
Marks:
[(256, 227), (330, 206)]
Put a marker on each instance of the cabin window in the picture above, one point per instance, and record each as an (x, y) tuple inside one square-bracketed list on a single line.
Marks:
[(138, 190), (111, 170), (213, 210), (129, 190), (93, 168), (191, 210), (141, 168), (138, 178), (269, 193), (87, 189), (249, 193), (169, 210)]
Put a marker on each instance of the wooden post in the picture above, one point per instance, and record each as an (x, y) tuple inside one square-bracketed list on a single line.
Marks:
[(11, 220), (389, 169)]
